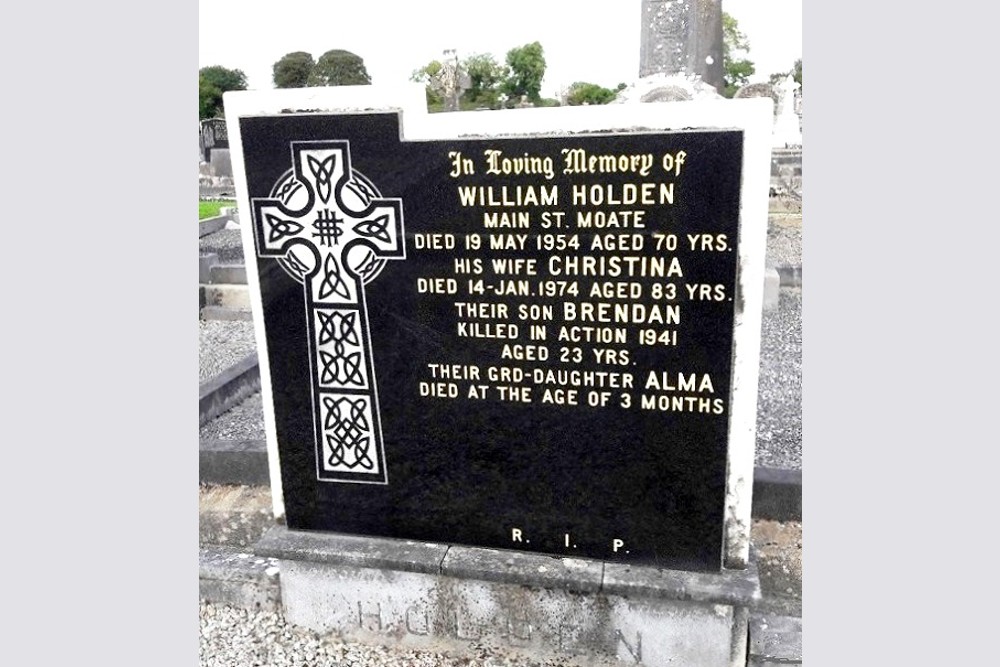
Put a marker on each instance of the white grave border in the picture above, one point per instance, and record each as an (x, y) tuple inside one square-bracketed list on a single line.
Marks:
[(753, 116)]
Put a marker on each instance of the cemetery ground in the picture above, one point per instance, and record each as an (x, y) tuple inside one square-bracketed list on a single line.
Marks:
[(235, 502)]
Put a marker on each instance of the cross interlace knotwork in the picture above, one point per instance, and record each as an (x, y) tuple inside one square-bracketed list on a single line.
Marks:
[(347, 433), (327, 226), (338, 217)]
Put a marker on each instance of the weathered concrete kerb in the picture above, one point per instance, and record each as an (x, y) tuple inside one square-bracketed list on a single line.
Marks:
[(229, 575), (227, 389), (233, 462), (208, 226), (237, 574), (434, 596)]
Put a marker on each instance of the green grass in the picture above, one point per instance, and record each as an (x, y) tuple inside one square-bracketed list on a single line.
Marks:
[(210, 209)]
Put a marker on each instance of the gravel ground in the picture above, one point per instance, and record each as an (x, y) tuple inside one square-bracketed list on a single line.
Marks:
[(243, 422), (222, 344), (779, 397), (226, 243), (784, 241), (231, 636)]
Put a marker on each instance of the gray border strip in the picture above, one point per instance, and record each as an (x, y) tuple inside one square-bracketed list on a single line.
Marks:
[(740, 588), (212, 225), (577, 575), (205, 264), (241, 462), (775, 640), (789, 276), (353, 550), (777, 494), (227, 575), (227, 274), (220, 313), (228, 388)]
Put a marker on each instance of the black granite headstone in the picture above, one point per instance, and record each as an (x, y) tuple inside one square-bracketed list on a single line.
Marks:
[(520, 343)]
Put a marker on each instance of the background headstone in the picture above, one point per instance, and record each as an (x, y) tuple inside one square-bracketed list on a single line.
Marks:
[(787, 132), (667, 94), (213, 135), (760, 90)]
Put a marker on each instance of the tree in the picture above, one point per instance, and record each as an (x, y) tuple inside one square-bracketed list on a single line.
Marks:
[(337, 67), (737, 71), (209, 98), (486, 76), (293, 70), (582, 92), (427, 75), (527, 68), (213, 81)]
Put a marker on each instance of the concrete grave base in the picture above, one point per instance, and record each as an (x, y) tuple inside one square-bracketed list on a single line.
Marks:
[(583, 612), (228, 575)]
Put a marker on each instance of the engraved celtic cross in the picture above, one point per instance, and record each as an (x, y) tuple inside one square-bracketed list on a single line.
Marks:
[(329, 229)]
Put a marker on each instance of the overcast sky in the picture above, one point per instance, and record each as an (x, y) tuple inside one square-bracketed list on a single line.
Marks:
[(595, 41)]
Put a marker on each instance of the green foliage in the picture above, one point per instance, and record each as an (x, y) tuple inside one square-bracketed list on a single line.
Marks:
[(337, 67), (482, 73), (209, 99), (527, 68), (224, 79), (213, 81), (486, 76), (732, 38), (426, 75), (736, 70), (210, 209), (490, 84), (582, 92), (738, 73), (293, 70)]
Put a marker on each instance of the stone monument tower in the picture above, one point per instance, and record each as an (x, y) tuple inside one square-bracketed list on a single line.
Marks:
[(680, 55), (682, 37)]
